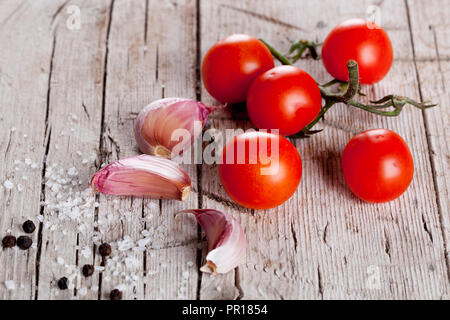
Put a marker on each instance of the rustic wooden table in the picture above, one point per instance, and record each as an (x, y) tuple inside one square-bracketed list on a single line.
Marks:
[(69, 93)]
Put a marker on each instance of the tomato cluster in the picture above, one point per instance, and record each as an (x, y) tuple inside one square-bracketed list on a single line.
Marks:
[(377, 164)]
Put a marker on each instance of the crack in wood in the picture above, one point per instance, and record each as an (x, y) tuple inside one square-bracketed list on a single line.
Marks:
[(237, 284), (86, 111), (9, 143), (47, 139), (101, 156), (146, 23), (263, 17), (387, 244), (425, 227), (294, 236), (58, 11), (198, 95), (157, 63), (433, 29), (319, 282)]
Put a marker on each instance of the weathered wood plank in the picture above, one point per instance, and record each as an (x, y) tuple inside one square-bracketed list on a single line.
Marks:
[(25, 57), (430, 36), (75, 107), (145, 63), (325, 243)]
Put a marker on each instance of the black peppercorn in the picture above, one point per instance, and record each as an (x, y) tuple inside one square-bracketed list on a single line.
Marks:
[(88, 270), (24, 242), (104, 249), (116, 294), (28, 226), (8, 242), (63, 283)]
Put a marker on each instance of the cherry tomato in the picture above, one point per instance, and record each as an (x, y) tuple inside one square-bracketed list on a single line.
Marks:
[(377, 165), (231, 65), (257, 178), (362, 41), (285, 98)]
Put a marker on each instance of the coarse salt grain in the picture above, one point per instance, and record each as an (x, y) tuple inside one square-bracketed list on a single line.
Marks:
[(82, 291), (10, 284), (8, 184), (60, 260)]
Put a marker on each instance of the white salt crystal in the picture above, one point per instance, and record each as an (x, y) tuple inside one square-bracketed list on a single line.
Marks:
[(40, 217), (82, 291), (72, 172), (60, 260), (78, 153), (33, 165), (185, 274), (143, 242), (190, 263), (19, 187), (86, 252), (8, 184), (28, 161), (10, 284), (94, 288), (13, 129), (219, 289)]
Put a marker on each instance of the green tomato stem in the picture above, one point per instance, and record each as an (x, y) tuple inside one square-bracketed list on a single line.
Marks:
[(347, 97)]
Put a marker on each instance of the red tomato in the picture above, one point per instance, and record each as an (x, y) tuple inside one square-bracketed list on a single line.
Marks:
[(285, 98), (377, 165), (362, 41), (231, 65), (257, 181)]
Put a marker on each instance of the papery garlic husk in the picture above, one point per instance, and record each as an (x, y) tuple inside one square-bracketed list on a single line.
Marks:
[(143, 176), (157, 121), (226, 240)]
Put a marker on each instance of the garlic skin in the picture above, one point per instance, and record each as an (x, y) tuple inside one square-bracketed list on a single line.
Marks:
[(157, 121), (226, 240), (143, 176)]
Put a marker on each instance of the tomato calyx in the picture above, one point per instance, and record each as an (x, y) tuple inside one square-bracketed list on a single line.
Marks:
[(300, 46), (346, 93)]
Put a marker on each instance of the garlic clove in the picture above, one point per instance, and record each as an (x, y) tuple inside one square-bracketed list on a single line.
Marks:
[(226, 240), (156, 123), (143, 176)]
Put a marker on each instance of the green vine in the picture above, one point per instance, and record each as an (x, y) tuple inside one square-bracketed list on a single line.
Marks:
[(347, 92)]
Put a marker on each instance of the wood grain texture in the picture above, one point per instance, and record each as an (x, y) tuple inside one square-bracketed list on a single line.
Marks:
[(144, 64), (430, 35), (323, 243), (25, 59), (74, 122)]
